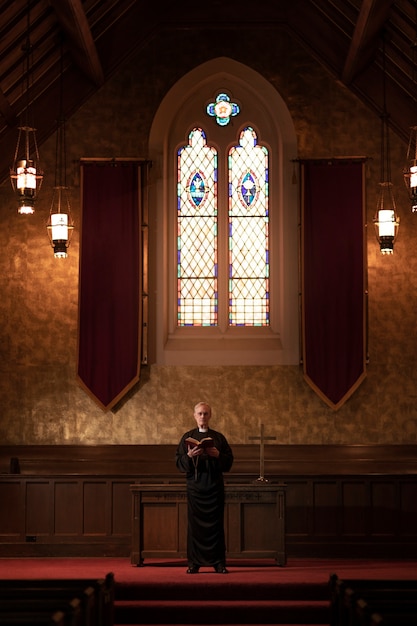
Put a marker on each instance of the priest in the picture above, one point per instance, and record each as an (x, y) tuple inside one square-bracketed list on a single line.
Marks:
[(203, 466)]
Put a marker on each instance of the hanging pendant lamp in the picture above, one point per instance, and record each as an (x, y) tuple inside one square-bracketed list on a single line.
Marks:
[(60, 225), (386, 219), (25, 174)]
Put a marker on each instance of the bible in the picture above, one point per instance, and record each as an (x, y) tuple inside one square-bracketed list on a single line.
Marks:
[(207, 442)]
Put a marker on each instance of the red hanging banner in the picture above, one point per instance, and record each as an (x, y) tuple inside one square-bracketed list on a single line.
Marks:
[(109, 316), (333, 250)]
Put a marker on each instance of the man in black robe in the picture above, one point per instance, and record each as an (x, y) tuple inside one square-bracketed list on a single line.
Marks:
[(204, 467)]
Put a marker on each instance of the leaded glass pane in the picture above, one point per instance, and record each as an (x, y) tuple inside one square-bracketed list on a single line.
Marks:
[(248, 233), (197, 233)]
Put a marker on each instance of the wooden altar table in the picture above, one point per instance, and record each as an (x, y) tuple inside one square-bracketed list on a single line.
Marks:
[(254, 521)]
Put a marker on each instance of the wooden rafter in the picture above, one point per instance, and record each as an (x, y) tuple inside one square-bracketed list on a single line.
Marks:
[(372, 17), (6, 111), (74, 23)]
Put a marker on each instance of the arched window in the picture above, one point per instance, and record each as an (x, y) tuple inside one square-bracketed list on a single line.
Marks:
[(225, 206)]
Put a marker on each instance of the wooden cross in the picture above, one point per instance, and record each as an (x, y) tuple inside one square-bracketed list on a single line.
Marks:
[(262, 440)]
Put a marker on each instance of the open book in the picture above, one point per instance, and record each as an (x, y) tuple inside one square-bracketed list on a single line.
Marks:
[(207, 442)]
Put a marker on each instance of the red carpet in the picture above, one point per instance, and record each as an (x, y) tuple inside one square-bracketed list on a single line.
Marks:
[(173, 572), (254, 592)]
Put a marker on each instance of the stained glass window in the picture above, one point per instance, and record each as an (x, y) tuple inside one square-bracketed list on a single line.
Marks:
[(222, 109), (248, 233), (238, 223), (197, 303)]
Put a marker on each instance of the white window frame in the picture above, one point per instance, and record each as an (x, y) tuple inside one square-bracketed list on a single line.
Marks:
[(262, 108)]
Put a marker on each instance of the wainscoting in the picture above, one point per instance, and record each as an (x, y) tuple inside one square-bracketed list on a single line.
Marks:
[(341, 501)]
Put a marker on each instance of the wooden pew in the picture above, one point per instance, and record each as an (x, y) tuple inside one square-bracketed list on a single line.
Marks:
[(34, 611), (82, 600), (48, 603), (354, 602), (392, 620), (393, 613), (38, 619), (95, 597)]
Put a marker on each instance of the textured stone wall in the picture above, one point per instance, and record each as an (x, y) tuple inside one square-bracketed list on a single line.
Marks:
[(40, 400)]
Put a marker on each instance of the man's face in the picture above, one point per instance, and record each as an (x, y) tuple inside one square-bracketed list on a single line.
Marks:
[(202, 415)]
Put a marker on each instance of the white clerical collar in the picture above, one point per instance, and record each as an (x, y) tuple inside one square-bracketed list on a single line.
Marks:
[(203, 430)]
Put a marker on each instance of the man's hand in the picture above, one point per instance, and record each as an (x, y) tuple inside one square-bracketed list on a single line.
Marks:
[(196, 451)]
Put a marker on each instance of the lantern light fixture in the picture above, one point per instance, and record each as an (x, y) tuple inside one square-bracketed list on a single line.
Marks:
[(25, 174), (60, 224), (410, 170), (386, 219)]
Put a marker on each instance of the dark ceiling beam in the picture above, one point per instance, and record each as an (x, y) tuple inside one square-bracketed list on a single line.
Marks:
[(6, 110), (74, 23), (372, 16)]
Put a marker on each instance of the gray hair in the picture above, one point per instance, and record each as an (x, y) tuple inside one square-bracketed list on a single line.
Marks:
[(201, 404)]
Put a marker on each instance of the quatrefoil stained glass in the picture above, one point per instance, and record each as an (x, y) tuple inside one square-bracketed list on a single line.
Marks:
[(223, 109)]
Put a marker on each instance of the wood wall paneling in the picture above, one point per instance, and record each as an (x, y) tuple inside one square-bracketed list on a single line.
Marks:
[(85, 507), (38, 508), (68, 507), (12, 509), (325, 507), (408, 508), (120, 507), (354, 508), (384, 507), (299, 507), (96, 509)]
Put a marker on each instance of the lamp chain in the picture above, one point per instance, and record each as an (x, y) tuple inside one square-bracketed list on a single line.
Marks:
[(385, 146)]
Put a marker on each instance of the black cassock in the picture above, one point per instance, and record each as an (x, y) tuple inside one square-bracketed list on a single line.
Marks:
[(205, 498)]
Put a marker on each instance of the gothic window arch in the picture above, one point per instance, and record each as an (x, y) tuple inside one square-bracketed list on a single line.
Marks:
[(225, 207)]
